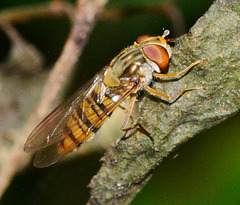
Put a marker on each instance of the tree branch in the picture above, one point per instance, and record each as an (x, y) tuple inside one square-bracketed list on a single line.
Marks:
[(127, 167), (83, 22), (31, 12)]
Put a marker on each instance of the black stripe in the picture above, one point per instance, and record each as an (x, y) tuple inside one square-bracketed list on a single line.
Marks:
[(100, 105), (93, 107), (71, 135), (95, 129), (85, 120), (80, 127), (78, 123), (62, 143), (108, 96)]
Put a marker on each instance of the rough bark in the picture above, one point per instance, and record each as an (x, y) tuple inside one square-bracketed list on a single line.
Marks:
[(128, 165)]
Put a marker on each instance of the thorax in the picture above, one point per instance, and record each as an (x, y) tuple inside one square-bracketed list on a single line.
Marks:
[(131, 66)]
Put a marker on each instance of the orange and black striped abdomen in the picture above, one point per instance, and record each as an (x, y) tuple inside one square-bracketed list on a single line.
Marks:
[(86, 120)]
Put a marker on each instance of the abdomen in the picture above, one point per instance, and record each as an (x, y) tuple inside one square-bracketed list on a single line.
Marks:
[(87, 118)]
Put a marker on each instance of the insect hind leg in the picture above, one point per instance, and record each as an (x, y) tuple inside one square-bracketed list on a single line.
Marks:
[(136, 125), (141, 129)]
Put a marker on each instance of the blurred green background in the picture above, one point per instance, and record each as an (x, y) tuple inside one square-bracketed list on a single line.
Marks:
[(206, 170)]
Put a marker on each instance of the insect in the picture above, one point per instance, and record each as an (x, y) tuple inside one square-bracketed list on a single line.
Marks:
[(76, 121)]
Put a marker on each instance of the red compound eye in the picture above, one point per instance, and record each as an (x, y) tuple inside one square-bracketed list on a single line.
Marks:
[(140, 39), (158, 55)]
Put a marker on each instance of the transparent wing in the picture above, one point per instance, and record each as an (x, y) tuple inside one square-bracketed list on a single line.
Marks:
[(49, 131), (50, 154)]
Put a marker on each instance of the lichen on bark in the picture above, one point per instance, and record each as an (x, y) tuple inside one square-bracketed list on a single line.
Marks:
[(128, 165)]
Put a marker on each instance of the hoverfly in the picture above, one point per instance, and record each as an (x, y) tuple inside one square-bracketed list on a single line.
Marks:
[(76, 121)]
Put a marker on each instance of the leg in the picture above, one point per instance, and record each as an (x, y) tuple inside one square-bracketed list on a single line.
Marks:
[(129, 112), (144, 131), (173, 76), (137, 125), (170, 99), (170, 40), (125, 110)]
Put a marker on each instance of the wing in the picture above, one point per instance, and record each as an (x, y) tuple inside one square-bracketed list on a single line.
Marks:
[(47, 137), (49, 130)]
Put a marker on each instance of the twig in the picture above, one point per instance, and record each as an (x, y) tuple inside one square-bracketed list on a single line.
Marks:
[(23, 55), (31, 12), (84, 19)]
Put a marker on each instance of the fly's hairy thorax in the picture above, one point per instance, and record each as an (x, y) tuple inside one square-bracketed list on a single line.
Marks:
[(131, 66)]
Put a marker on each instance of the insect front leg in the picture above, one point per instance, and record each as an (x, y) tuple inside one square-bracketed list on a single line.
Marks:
[(178, 75), (171, 99), (136, 125)]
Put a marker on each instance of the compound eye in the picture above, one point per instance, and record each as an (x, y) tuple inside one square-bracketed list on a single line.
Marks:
[(158, 55), (140, 39)]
